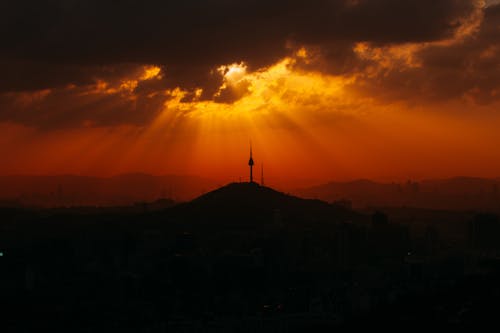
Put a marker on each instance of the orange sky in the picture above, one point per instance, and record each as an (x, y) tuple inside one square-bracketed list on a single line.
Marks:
[(396, 115), (303, 126)]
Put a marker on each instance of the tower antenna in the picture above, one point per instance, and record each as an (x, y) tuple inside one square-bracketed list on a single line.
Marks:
[(250, 163)]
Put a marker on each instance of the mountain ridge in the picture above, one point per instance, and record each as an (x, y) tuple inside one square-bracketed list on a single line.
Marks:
[(459, 192)]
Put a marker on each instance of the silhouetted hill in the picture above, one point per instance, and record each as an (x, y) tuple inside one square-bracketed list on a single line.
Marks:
[(462, 193), (251, 204)]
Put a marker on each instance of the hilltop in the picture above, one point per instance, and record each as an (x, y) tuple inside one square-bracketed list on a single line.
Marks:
[(251, 204)]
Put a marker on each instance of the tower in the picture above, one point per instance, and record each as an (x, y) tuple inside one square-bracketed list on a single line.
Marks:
[(250, 164)]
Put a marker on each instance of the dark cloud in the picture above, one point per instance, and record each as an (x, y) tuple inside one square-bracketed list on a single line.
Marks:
[(80, 107), (468, 69), (190, 37)]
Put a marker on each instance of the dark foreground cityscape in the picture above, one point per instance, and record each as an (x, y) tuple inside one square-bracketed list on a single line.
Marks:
[(246, 258)]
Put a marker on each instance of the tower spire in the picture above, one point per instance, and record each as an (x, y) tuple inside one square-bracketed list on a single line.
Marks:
[(250, 163)]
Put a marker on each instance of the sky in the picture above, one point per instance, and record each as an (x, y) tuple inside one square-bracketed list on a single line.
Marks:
[(324, 89)]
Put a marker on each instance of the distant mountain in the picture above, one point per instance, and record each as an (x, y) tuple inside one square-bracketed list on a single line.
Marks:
[(127, 189), (459, 193), (249, 204), (462, 185), (335, 190)]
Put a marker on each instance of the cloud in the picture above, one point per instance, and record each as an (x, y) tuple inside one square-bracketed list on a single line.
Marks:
[(75, 62)]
